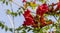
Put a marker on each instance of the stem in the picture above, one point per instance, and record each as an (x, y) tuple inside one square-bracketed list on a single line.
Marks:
[(55, 18), (14, 25), (11, 22), (13, 18)]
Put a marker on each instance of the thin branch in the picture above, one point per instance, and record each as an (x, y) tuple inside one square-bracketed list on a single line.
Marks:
[(55, 18), (11, 22), (12, 18)]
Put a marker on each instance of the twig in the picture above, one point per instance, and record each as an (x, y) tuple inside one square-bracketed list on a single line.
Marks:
[(13, 18), (10, 21)]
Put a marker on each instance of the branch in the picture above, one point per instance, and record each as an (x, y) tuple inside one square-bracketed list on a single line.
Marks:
[(11, 22)]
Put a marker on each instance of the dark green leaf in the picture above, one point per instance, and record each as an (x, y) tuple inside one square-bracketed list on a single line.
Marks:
[(2, 26), (19, 13), (0, 23), (11, 29), (24, 31), (29, 29), (6, 28), (19, 28), (6, 3), (26, 28), (3, 1), (13, 14), (57, 31)]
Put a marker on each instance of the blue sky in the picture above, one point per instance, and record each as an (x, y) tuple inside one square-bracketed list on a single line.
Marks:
[(18, 20)]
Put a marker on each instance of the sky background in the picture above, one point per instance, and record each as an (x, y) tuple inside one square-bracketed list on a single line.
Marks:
[(19, 19)]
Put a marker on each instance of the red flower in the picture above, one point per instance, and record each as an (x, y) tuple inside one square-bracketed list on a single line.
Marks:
[(28, 22), (28, 18), (42, 9), (24, 1), (26, 13), (58, 5)]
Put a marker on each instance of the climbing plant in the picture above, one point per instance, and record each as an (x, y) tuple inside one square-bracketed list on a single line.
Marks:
[(36, 20)]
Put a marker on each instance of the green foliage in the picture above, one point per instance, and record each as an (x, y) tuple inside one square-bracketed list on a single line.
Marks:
[(5, 27), (57, 31), (37, 30), (22, 28), (1, 25), (3, 1), (23, 31), (41, 31), (14, 13), (19, 28), (8, 11), (42, 1), (10, 29), (6, 3), (29, 29)]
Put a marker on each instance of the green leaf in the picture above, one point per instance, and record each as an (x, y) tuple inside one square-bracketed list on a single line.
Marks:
[(13, 14), (2, 26), (29, 29), (26, 28), (19, 13), (6, 28), (57, 31), (19, 28), (23, 31), (6, 3), (41, 31), (3, 1), (42, 1), (0, 23), (8, 11), (11, 29)]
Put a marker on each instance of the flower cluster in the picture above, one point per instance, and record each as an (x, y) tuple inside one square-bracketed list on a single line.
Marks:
[(38, 20)]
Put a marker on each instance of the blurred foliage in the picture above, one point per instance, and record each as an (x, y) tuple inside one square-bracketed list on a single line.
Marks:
[(5, 27), (14, 13), (42, 1)]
